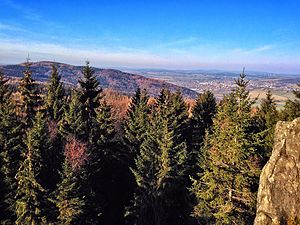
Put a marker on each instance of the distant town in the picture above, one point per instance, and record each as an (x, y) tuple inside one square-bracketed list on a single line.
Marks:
[(281, 85)]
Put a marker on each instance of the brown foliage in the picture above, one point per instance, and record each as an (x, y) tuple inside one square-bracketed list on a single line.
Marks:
[(118, 102), (75, 153)]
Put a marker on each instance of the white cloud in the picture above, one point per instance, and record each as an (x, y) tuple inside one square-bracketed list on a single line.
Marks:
[(10, 27), (178, 42), (16, 50), (256, 50)]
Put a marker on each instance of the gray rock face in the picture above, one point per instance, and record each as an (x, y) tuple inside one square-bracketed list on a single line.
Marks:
[(279, 186)]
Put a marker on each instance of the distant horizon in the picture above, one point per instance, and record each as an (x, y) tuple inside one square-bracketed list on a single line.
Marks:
[(210, 35), (156, 69)]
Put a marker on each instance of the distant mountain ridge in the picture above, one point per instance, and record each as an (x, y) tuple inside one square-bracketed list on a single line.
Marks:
[(125, 83)]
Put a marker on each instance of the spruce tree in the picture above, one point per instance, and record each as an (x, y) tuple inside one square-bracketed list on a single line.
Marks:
[(102, 151), (104, 128), (267, 119), (135, 125), (70, 199), (54, 106), (72, 122), (292, 108), (11, 147), (5, 93), (89, 97), (202, 118), (31, 198), (160, 174), (227, 185), (30, 98), (91, 122), (54, 102)]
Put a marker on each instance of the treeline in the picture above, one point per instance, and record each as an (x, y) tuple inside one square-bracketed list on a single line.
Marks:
[(64, 162)]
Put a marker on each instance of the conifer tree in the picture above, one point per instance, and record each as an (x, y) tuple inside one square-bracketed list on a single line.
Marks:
[(201, 119), (89, 97), (226, 189), (105, 129), (135, 125), (4, 89), (72, 122), (90, 121), (102, 151), (267, 119), (30, 99), (70, 198), (172, 106), (292, 108), (54, 106), (160, 167), (30, 195), (54, 103), (11, 147), (31, 198)]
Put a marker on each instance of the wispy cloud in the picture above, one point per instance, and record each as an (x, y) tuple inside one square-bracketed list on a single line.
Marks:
[(16, 50), (256, 50), (10, 27), (32, 15), (27, 12), (178, 43)]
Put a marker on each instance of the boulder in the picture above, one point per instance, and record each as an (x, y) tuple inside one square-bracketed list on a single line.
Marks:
[(278, 199)]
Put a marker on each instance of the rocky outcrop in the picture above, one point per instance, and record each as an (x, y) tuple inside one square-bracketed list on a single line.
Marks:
[(279, 185)]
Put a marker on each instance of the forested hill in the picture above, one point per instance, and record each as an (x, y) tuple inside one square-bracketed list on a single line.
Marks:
[(117, 80)]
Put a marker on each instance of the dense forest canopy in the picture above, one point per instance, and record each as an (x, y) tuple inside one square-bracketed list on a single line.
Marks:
[(66, 158)]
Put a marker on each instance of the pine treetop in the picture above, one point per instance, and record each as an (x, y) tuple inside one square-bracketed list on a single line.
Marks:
[(5, 93), (55, 94), (90, 91), (30, 98)]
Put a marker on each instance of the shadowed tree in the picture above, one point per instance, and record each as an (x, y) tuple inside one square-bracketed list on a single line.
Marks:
[(70, 199), (11, 147), (161, 196), (200, 122), (266, 121)]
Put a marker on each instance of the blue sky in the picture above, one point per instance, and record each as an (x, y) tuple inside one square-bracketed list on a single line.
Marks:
[(180, 34)]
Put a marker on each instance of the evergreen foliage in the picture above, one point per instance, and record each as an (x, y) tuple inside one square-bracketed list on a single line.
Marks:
[(89, 97), (64, 164), (30, 98), (54, 103), (292, 108), (54, 106), (135, 125), (202, 118), (267, 119), (200, 123), (11, 147), (72, 122), (31, 198), (70, 200), (5, 93), (160, 167), (226, 189)]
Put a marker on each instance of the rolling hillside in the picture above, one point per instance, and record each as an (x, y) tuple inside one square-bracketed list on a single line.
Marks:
[(125, 83)]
